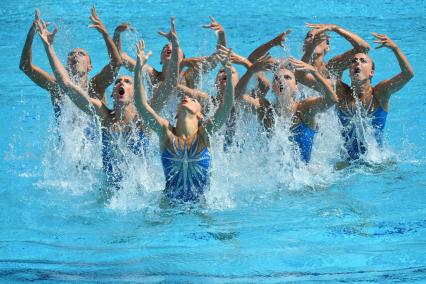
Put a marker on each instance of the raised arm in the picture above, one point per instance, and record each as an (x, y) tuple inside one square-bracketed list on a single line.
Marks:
[(168, 86), (148, 114), (341, 62), (106, 76), (264, 63), (386, 88), (263, 85), (225, 107), (35, 73), (79, 97), (264, 48), (214, 25), (128, 61), (311, 106)]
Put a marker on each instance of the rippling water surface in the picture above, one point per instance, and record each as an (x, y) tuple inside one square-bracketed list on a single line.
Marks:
[(265, 218)]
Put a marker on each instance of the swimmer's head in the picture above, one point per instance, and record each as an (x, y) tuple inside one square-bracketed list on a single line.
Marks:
[(284, 83), (221, 79), (189, 106), (361, 68), (123, 92), (79, 62), (322, 46), (166, 53)]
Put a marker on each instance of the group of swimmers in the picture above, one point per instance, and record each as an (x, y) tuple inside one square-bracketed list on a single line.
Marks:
[(185, 146)]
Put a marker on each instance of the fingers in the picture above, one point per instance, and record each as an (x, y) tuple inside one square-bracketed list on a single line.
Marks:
[(148, 55), (37, 14), (163, 34), (212, 19), (287, 32), (93, 12), (172, 25)]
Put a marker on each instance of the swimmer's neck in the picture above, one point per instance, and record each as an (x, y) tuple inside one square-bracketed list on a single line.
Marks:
[(284, 104), (186, 125), (318, 62), (362, 89), (125, 113), (80, 80)]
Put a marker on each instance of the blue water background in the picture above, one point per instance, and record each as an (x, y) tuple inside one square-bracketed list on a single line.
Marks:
[(367, 224)]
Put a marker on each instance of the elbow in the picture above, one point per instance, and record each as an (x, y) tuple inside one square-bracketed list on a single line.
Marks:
[(24, 66), (365, 47), (410, 73), (64, 83)]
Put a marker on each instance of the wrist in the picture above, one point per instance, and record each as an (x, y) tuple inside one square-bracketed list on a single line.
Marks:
[(334, 28), (247, 64)]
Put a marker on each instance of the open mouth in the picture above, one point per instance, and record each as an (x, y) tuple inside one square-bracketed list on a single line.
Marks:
[(168, 52), (357, 70), (121, 91)]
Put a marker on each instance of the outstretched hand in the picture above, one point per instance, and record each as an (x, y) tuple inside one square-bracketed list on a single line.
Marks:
[(322, 27), (317, 36), (301, 66), (124, 27), (280, 39), (264, 63), (224, 56), (46, 36), (384, 41), (140, 52), (171, 35), (36, 18), (96, 22), (214, 25)]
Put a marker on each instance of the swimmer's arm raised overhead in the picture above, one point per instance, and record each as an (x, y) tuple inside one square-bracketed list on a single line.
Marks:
[(386, 88), (149, 115), (264, 63), (262, 81), (168, 86), (222, 113), (202, 65), (214, 25), (341, 62), (35, 73), (264, 48), (279, 40), (106, 76), (79, 97), (311, 106), (128, 61)]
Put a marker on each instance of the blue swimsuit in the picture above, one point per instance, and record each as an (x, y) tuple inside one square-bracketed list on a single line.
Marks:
[(354, 144), (186, 170), (303, 137), (137, 143)]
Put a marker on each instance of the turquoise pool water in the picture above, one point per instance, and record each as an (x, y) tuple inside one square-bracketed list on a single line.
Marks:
[(264, 219)]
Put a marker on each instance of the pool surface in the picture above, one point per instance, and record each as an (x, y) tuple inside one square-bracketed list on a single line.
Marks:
[(266, 218)]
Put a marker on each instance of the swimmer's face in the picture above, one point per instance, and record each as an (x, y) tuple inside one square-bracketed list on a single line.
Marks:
[(78, 62), (166, 53), (191, 105), (361, 67), (123, 91), (222, 78), (321, 48), (284, 83)]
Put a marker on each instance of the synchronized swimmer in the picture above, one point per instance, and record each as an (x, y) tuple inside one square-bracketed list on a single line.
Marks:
[(185, 147)]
